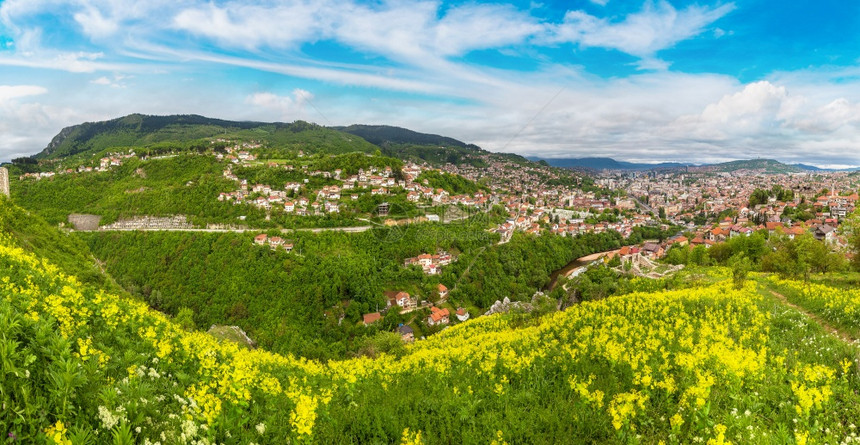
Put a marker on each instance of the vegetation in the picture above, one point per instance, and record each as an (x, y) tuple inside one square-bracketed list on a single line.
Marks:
[(143, 131), (287, 302), (761, 196), (715, 364), (796, 257), (453, 184), (186, 185), (190, 184), (384, 134), (519, 267)]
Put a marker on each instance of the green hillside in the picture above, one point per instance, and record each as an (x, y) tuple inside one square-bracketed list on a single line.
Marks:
[(707, 364), (191, 131), (385, 134), (189, 184)]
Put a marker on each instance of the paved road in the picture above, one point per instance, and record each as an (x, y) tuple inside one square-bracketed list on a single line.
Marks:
[(643, 205), (355, 229)]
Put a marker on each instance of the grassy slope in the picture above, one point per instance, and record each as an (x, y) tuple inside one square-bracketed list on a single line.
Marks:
[(731, 365)]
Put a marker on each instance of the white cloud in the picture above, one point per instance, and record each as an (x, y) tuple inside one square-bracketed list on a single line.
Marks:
[(400, 30), (250, 26), (8, 92), (414, 47), (656, 27), (95, 24), (286, 108)]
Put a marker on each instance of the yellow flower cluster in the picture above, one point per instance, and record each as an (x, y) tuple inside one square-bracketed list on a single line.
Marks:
[(812, 387), (411, 437), (57, 434), (624, 407)]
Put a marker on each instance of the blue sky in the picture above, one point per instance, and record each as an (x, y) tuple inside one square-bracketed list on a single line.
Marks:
[(656, 80)]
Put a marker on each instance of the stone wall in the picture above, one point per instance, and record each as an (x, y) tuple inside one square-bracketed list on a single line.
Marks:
[(4, 181), (84, 222)]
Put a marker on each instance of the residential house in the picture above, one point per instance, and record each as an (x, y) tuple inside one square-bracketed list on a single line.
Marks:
[(825, 233), (400, 298), (371, 318), (406, 333), (443, 291), (438, 316)]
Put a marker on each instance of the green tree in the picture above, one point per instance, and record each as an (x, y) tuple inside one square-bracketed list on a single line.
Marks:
[(185, 318)]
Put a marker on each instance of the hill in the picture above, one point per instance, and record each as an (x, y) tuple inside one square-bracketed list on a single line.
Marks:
[(605, 164), (704, 364), (137, 130), (383, 135), (766, 166)]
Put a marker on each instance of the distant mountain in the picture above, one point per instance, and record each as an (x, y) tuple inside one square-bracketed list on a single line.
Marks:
[(769, 166), (764, 165), (384, 134), (605, 164), (812, 168), (138, 130)]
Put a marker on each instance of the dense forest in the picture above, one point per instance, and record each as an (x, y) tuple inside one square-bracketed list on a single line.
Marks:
[(453, 184), (186, 185), (281, 298), (290, 302)]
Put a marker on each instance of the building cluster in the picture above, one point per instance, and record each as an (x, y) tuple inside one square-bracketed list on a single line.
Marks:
[(301, 199), (105, 164), (430, 264), (275, 242)]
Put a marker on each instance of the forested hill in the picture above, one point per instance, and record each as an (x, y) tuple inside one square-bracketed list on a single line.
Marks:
[(138, 130), (384, 134)]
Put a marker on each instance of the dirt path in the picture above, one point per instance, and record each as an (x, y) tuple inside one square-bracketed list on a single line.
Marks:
[(839, 333)]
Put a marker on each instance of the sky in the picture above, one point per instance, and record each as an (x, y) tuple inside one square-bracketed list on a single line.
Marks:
[(642, 81)]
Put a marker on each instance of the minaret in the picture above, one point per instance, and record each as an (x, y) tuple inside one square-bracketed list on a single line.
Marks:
[(4, 181)]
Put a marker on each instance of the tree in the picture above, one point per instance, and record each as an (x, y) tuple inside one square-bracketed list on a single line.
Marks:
[(741, 266), (699, 256), (851, 228), (185, 318)]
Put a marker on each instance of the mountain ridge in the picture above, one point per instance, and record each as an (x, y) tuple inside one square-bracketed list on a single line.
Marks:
[(606, 163)]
